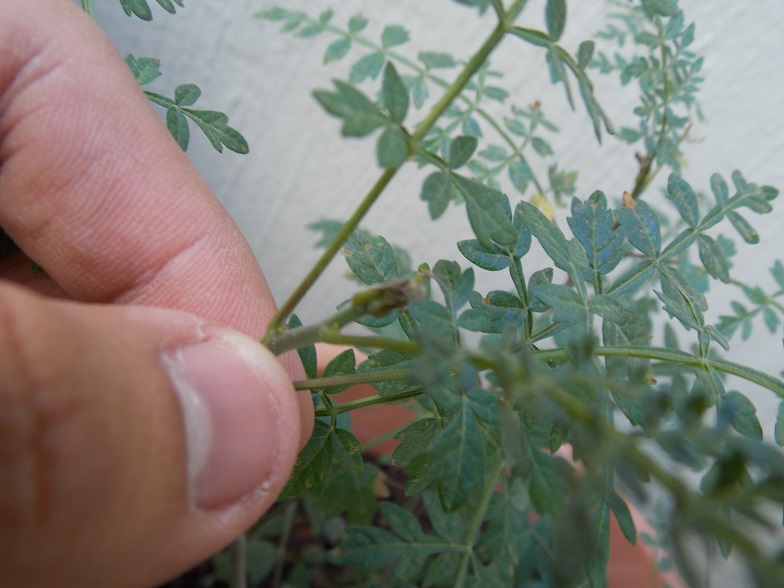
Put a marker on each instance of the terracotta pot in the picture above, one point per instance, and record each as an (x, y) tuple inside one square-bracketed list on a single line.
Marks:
[(630, 565)]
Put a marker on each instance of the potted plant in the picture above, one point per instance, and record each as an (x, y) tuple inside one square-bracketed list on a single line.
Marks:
[(537, 412)]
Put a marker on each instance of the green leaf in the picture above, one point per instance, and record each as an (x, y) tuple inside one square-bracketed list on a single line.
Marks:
[(720, 190), (372, 259), (548, 484), (456, 459), (496, 93), (326, 16), (337, 50), (178, 127), (491, 258), (585, 53), (186, 94), (471, 127), (436, 60), (555, 16), (419, 91), (493, 313), (535, 37), (360, 116), (144, 69), (373, 548), (342, 364), (394, 93), (486, 213), (641, 227), (392, 148), (260, 558), (313, 464), (307, 354), (347, 450), (660, 7), (568, 307), (541, 146), (624, 516), (743, 227), (567, 255), (777, 271), (713, 258), (368, 66), (633, 325), (168, 6), (138, 8), (386, 360), (682, 195), (543, 276), (461, 149), (414, 439), (594, 226), (434, 318), (350, 491), (521, 175), (437, 191), (742, 415), (215, 126), (494, 153), (357, 24), (456, 284), (779, 429), (394, 35)]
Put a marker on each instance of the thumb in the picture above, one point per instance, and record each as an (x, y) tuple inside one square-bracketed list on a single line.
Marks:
[(134, 442)]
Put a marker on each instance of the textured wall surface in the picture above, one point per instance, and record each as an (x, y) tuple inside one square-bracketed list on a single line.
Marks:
[(299, 169)]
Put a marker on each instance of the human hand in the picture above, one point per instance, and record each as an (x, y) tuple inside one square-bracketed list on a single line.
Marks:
[(103, 481)]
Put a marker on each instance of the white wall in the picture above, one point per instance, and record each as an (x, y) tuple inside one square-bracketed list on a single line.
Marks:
[(299, 169)]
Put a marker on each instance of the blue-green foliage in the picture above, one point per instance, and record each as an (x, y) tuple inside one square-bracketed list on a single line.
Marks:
[(666, 70), (505, 377), (213, 124), (141, 8)]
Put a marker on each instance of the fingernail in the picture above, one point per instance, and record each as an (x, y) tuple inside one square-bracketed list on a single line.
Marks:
[(229, 416)]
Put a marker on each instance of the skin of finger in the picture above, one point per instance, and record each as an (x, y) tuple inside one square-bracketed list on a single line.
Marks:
[(96, 191), (92, 460)]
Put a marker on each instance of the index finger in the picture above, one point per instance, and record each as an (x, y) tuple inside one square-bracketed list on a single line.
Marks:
[(94, 189)]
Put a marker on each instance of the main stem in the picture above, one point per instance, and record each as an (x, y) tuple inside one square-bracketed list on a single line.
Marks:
[(450, 95)]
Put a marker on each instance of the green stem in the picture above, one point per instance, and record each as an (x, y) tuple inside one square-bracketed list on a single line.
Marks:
[(237, 562), (302, 336), (476, 524), (438, 109), (644, 177), (276, 324), (369, 401), (352, 379), (88, 7), (675, 356), (516, 270), (397, 345), (280, 558)]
